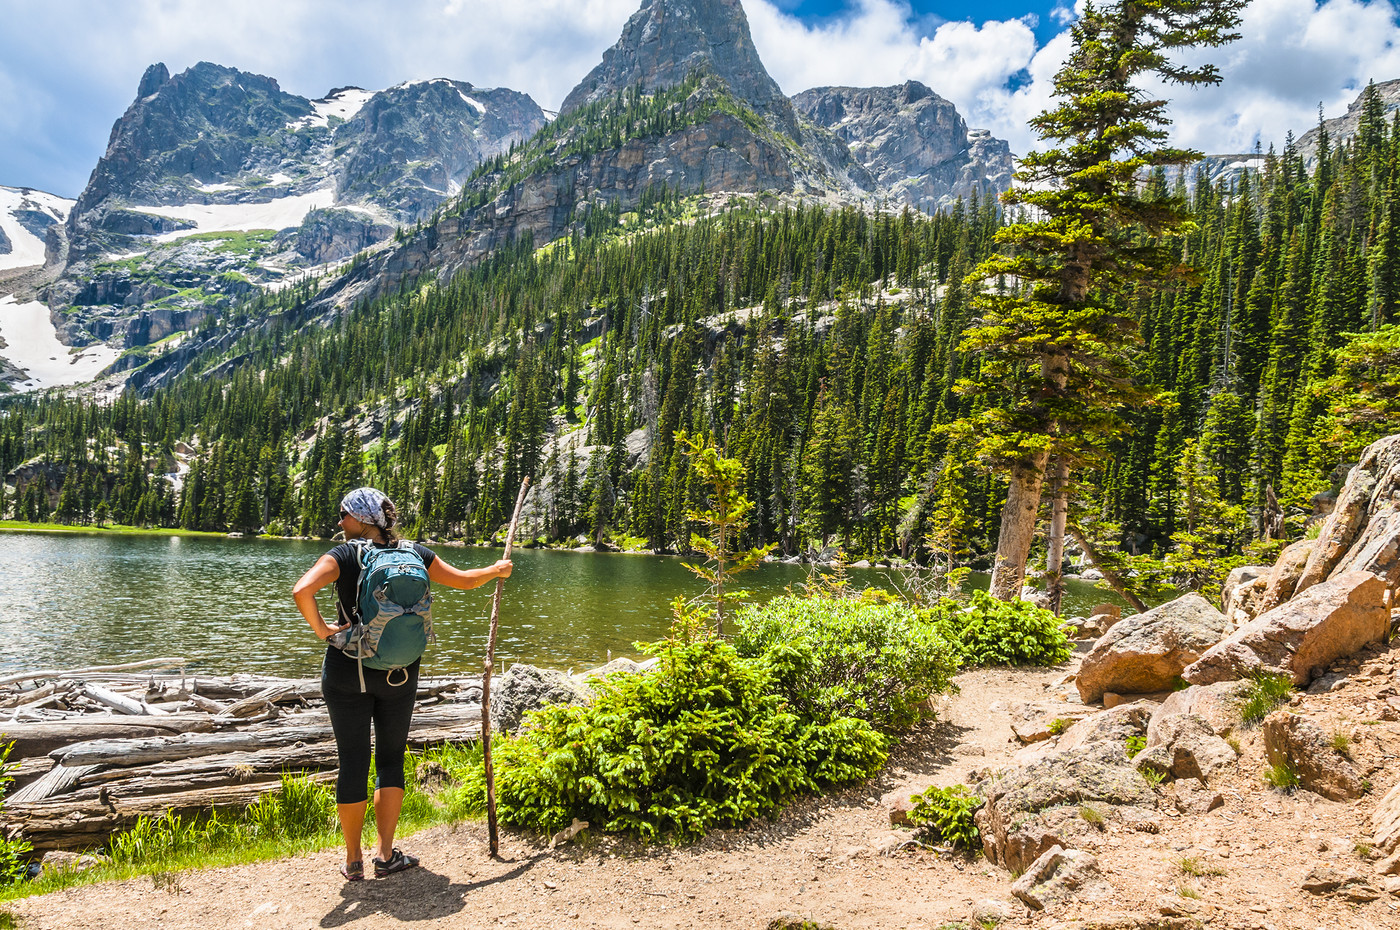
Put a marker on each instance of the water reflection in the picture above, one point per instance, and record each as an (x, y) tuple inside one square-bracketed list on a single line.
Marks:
[(225, 604)]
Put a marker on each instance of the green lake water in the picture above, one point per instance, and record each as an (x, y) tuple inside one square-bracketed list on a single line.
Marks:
[(68, 601)]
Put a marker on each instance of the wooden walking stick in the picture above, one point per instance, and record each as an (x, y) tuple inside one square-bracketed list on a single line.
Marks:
[(487, 666)]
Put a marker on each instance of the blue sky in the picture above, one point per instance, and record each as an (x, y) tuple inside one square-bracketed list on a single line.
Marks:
[(69, 68)]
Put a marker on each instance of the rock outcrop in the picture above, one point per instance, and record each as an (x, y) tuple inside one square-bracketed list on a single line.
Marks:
[(1185, 746), (1363, 531), (1217, 705), (665, 41), (1030, 810), (525, 688), (914, 143), (1148, 652), (1060, 874), (1304, 635), (1293, 741)]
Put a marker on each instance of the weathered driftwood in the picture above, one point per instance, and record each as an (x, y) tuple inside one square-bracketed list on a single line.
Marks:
[(59, 823), (93, 670), (39, 739), (89, 758), (120, 702), (56, 780)]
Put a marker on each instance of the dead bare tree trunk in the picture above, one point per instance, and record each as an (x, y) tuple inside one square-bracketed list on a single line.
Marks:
[(487, 666)]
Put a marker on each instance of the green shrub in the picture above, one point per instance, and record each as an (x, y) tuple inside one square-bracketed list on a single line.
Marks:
[(697, 742), (847, 658), (14, 850), (1133, 744), (992, 632), (1267, 690), (947, 813)]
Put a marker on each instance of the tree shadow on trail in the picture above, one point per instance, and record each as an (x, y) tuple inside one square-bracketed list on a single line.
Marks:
[(417, 894)]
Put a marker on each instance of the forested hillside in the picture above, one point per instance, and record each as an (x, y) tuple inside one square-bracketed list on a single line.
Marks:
[(820, 347)]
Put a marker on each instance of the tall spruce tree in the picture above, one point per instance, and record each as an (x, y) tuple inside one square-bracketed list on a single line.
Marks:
[(1059, 337)]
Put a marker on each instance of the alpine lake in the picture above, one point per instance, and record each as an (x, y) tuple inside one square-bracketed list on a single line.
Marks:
[(73, 600)]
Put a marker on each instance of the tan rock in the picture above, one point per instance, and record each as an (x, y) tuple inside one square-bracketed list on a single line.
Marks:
[(1295, 741), (1217, 705), (1112, 699), (1058, 875), (1385, 821), (1246, 600), (1389, 865), (900, 807), (1034, 722), (1186, 747), (1148, 651), (1302, 637), (1193, 797), (1113, 726), (1108, 610), (1283, 577), (1363, 531), (1241, 575)]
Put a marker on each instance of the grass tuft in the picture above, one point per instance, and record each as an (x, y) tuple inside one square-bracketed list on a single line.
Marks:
[(1281, 776), (1267, 690), (1198, 869)]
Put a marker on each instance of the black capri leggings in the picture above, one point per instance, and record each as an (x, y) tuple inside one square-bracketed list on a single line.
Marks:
[(390, 707)]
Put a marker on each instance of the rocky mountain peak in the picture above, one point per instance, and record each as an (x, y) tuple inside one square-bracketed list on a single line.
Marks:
[(914, 143), (666, 40), (156, 75)]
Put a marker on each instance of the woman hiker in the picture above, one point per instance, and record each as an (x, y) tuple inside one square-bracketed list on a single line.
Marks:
[(356, 693)]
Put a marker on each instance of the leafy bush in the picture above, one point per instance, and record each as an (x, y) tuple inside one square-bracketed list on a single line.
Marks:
[(846, 658), (14, 850), (1267, 690), (947, 813), (992, 632), (699, 741)]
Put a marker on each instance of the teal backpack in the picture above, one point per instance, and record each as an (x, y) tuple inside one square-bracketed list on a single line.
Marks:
[(396, 611)]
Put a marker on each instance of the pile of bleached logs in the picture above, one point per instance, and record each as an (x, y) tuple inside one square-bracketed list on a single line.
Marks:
[(96, 748)]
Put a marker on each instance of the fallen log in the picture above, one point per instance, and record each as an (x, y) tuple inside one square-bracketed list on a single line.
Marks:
[(39, 739), (119, 702), (236, 766), (59, 823), (92, 670), (129, 752)]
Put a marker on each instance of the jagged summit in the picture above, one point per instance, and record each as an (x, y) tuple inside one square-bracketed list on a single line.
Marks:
[(666, 40), (913, 142)]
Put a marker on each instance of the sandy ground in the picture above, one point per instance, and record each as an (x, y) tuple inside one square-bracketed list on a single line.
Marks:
[(832, 860)]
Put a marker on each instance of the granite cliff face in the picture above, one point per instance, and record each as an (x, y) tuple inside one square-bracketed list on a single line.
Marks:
[(666, 40), (914, 143), (1342, 128)]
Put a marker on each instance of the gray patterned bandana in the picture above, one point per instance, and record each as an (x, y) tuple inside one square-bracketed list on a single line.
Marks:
[(366, 505)]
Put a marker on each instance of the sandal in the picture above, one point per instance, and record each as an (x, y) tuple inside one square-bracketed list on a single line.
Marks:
[(396, 863), (354, 871)]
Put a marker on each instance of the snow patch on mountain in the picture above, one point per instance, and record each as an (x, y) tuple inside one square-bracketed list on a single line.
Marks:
[(23, 215), (31, 343), (341, 104), (232, 217), (472, 102)]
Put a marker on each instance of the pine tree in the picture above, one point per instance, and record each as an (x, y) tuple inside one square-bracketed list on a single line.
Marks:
[(1060, 343)]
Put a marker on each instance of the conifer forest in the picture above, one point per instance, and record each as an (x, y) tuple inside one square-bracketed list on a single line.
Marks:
[(825, 348)]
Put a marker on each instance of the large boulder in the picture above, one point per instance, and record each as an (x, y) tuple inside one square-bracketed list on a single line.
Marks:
[(1060, 874), (1303, 636), (1148, 651), (1283, 577), (1385, 821), (1114, 725), (525, 688), (1363, 531), (1294, 741), (1241, 575), (1030, 810), (1185, 746), (1244, 601), (1218, 705)]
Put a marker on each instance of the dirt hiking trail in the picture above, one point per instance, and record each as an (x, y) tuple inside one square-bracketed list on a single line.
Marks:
[(834, 861)]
